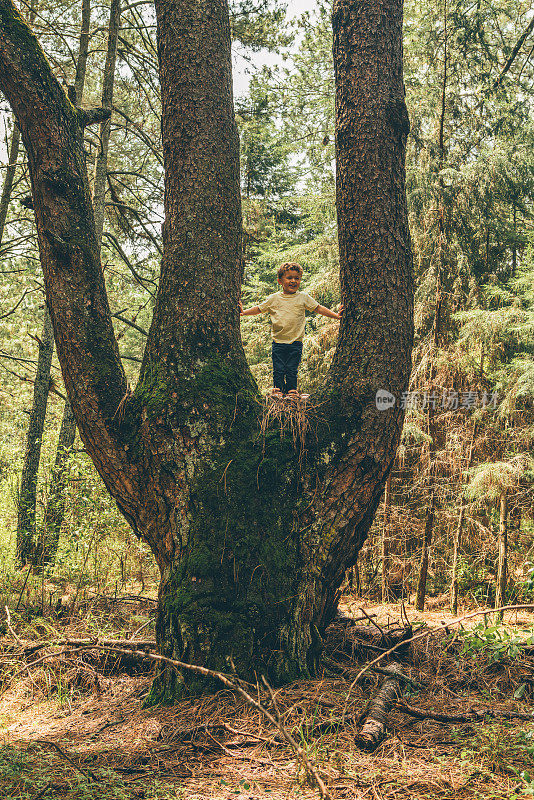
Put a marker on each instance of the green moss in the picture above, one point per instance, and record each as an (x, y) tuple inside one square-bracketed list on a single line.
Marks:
[(152, 393), (236, 582), (232, 593)]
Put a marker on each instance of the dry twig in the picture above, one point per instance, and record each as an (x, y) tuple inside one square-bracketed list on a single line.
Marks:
[(311, 771), (421, 635)]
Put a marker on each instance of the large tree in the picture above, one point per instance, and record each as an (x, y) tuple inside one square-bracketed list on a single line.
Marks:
[(252, 535)]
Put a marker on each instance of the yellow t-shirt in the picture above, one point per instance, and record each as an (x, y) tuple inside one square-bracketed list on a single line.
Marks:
[(288, 315)]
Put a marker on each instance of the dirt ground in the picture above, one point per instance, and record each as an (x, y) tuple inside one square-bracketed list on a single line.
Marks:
[(75, 727)]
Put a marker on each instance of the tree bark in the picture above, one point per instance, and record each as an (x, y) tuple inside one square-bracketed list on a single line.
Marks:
[(373, 730), (252, 538), (437, 327), (27, 496)]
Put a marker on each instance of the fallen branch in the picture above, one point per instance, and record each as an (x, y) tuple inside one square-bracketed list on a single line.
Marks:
[(18, 641), (312, 773), (85, 772), (474, 715), (141, 644), (428, 632), (400, 676), (374, 728)]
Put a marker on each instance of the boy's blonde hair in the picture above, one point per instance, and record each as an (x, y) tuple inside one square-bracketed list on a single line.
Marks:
[(288, 265)]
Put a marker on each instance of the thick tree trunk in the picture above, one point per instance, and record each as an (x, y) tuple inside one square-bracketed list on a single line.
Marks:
[(27, 496), (252, 539)]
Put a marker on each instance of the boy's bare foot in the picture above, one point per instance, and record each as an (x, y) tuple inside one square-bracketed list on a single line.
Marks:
[(293, 395), (276, 393), (304, 397)]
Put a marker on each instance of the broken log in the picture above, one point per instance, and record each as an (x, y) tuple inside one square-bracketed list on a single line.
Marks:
[(373, 730)]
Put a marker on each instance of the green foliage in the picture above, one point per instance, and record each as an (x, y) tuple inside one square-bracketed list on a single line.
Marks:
[(497, 749), (494, 642), (39, 771)]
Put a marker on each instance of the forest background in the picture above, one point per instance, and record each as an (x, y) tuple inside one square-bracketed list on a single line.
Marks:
[(457, 517)]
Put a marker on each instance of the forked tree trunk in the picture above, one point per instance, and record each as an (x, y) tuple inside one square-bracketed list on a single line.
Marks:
[(252, 541), (55, 507)]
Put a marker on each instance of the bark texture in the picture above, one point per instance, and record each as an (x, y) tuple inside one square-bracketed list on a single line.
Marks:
[(251, 539), (373, 730)]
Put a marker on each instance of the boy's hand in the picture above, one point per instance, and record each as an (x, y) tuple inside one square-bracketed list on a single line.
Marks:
[(340, 311), (327, 312), (240, 304)]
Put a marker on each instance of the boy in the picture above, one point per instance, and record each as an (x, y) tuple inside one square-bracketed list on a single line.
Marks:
[(287, 309)]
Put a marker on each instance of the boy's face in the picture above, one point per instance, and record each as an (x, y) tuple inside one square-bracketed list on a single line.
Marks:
[(290, 281)]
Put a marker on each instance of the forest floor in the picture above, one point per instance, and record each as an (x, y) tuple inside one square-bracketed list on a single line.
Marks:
[(73, 726)]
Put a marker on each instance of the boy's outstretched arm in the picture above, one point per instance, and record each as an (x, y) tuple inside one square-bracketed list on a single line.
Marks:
[(248, 312), (327, 312)]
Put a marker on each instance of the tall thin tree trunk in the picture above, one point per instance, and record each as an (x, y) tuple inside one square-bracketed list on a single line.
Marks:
[(431, 509), (514, 245), (101, 165), (13, 155), (425, 553), (9, 177), (385, 540), (55, 507), (502, 555), (458, 533), (27, 497), (83, 52)]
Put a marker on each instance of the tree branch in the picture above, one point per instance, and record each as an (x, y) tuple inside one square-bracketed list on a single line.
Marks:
[(513, 54), (90, 116)]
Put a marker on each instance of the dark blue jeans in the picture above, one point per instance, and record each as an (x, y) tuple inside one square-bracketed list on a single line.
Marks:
[(286, 360)]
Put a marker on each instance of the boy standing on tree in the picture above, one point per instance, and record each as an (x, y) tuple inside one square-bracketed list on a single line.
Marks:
[(287, 310)]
